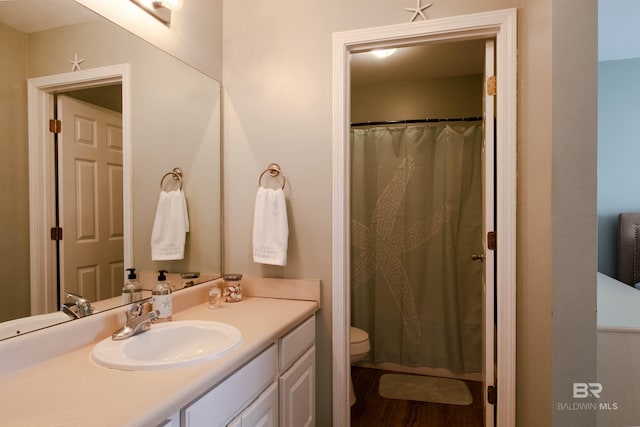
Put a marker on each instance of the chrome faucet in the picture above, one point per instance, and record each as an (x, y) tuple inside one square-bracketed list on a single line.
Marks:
[(83, 306), (136, 322)]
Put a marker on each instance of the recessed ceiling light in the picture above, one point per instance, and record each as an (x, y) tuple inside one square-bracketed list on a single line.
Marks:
[(383, 53)]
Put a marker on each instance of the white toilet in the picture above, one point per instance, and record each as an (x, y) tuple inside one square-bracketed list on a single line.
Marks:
[(358, 348)]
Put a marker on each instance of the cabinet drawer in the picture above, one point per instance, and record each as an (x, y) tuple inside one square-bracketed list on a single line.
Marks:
[(296, 342), (226, 399)]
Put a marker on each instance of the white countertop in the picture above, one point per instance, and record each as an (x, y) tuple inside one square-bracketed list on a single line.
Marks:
[(618, 306), (71, 390)]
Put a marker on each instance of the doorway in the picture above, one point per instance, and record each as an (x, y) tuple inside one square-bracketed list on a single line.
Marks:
[(501, 26), (41, 100), (418, 270)]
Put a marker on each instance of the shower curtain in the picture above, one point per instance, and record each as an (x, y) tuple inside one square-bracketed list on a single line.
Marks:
[(416, 219)]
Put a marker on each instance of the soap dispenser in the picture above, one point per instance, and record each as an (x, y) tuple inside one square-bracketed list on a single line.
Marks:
[(132, 290), (162, 298)]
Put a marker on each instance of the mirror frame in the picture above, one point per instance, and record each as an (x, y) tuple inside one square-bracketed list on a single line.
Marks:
[(40, 92)]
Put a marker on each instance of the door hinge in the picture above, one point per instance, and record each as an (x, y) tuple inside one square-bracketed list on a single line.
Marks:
[(491, 86), (492, 394), (491, 240), (56, 233), (55, 126)]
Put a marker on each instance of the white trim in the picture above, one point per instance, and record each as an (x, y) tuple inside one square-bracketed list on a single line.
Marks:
[(500, 24), (41, 206), (488, 202)]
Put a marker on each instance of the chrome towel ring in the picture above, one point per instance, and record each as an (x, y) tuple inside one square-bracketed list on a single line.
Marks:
[(274, 170), (176, 173)]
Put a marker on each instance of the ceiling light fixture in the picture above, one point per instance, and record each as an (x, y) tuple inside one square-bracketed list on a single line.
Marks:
[(160, 9), (383, 53), (170, 4)]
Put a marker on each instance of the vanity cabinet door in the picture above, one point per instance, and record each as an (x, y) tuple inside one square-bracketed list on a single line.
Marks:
[(228, 398), (263, 412), (298, 392)]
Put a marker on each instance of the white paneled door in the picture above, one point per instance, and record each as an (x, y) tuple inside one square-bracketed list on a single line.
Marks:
[(91, 199)]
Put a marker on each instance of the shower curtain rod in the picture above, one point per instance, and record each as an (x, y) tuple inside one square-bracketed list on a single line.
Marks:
[(410, 121)]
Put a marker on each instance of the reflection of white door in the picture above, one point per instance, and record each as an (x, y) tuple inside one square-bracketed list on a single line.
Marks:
[(488, 225), (91, 199)]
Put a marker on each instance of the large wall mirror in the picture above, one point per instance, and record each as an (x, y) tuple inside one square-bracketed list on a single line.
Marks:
[(171, 117)]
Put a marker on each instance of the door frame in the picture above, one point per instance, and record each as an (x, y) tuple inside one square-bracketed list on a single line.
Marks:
[(488, 225), (501, 25), (40, 97)]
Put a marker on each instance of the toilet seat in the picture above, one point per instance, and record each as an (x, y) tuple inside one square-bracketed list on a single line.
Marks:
[(358, 341), (359, 346)]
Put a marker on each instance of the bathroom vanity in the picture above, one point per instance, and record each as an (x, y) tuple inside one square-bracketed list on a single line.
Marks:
[(269, 378), (283, 379)]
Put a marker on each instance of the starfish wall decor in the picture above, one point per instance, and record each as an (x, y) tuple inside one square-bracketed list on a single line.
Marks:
[(418, 10), (75, 63)]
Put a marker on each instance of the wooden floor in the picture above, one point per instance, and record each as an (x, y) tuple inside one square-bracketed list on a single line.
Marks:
[(371, 410)]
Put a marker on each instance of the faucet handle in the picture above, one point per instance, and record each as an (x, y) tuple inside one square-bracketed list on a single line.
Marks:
[(83, 305), (136, 309), (135, 325), (77, 299)]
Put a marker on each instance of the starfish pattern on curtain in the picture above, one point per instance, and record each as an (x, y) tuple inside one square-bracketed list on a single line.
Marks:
[(382, 246)]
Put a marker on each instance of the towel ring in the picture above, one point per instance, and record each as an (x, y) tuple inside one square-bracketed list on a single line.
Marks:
[(274, 170), (176, 173)]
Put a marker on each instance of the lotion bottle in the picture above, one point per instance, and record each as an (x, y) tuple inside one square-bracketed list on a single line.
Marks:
[(132, 290), (162, 298)]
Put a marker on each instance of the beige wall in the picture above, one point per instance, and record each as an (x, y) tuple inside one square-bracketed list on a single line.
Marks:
[(277, 82), (534, 252), (14, 176), (459, 96), (574, 203), (194, 36)]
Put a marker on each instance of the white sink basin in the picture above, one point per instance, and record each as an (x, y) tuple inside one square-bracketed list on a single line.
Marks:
[(168, 345)]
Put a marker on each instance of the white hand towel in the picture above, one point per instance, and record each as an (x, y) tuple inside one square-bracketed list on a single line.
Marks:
[(170, 227), (270, 227)]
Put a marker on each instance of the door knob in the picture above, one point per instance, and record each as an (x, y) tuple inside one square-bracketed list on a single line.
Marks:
[(477, 257)]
